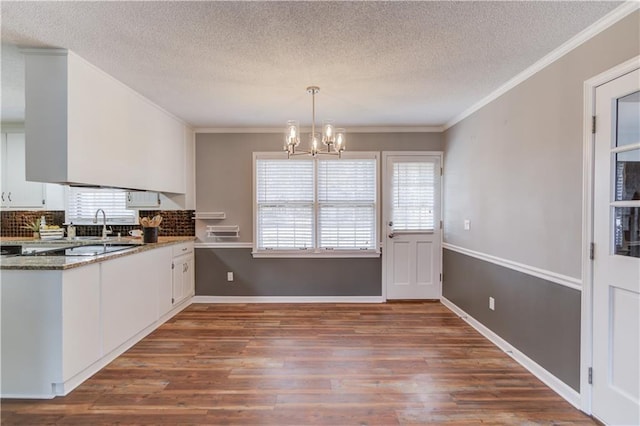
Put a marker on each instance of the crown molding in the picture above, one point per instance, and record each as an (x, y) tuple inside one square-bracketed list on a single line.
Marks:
[(596, 28), (364, 129)]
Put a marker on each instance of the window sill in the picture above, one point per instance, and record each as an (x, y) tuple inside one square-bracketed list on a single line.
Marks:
[(304, 254)]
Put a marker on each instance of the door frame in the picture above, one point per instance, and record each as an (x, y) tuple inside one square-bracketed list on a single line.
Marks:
[(385, 212), (586, 322)]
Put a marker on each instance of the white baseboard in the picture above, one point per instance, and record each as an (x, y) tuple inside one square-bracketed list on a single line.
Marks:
[(557, 385), (288, 299)]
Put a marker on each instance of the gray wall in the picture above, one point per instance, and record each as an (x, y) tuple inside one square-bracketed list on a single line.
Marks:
[(514, 168), (224, 172), (284, 277), (538, 317), (224, 169)]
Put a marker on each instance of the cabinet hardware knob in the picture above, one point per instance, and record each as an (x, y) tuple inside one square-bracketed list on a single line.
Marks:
[(2, 195), (9, 196)]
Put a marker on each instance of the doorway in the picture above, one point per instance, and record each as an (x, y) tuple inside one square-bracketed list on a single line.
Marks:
[(412, 234)]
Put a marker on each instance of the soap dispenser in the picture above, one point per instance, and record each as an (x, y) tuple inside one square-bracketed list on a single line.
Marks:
[(71, 231)]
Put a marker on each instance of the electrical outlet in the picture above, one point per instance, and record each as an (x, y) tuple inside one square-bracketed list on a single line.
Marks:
[(229, 276), (492, 303), (467, 224)]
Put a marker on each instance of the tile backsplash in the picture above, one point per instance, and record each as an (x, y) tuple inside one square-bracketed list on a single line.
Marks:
[(174, 223), (12, 221)]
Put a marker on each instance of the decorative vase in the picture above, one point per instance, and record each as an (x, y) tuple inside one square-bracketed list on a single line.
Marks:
[(36, 235)]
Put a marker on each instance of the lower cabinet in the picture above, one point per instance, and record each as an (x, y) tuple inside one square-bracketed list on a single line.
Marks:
[(183, 272), (129, 294), (59, 327)]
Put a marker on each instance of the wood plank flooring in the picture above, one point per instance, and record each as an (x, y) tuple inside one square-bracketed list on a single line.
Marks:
[(307, 364)]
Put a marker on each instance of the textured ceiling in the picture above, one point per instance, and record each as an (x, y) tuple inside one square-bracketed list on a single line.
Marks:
[(247, 64)]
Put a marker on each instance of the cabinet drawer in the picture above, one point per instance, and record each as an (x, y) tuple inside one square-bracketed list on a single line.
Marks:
[(184, 248)]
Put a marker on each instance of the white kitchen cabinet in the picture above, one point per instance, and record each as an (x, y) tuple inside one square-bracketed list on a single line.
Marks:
[(59, 327), (50, 329), (81, 120), (17, 192), (183, 272), (143, 199), (129, 295)]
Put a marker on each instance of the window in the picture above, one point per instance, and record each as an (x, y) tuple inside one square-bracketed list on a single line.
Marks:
[(324, 206), (82, 204), (413, 195)]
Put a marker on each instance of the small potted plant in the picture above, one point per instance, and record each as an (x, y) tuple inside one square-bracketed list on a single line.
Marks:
[(33, 226)]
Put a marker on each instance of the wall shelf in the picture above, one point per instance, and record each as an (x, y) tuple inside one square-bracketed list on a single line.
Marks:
[(223, 231), (210, 215)]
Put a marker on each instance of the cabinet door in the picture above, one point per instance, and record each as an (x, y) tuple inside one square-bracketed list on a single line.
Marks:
[(18, 193), (178, 280), (183, 277), (136, 199), (81, 339), (128, 296), (189, 278)]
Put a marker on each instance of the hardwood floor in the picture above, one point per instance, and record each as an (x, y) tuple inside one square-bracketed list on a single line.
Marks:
[(305, 364)]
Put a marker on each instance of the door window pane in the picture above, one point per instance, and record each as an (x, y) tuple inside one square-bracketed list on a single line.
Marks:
[(627, 175), (413, 196), (628, 126), (627, 231)]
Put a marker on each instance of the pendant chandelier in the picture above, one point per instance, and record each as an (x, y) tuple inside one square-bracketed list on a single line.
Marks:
[(333, 138)]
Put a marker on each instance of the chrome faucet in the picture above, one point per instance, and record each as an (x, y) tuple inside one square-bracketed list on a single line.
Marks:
[(104, 223)]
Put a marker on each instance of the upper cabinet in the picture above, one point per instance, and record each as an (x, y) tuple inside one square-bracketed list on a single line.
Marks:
[(85, 127), (17, 192)]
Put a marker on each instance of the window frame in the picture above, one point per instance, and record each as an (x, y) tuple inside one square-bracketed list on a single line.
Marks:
[(315, 251)]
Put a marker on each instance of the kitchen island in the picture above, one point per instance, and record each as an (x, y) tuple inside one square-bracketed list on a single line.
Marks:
[(66, 317)]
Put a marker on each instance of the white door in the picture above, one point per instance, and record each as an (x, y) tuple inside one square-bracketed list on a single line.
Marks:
[(411, 230), (616, 265)]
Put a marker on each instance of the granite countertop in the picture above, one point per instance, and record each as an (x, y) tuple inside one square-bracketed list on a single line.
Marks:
[(69, 262)]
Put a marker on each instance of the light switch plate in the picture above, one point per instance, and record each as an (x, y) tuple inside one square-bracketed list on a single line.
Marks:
[(467, 224), (229, 276)]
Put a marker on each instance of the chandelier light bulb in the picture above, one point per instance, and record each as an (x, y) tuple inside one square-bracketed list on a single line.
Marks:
[(341, 137), (328, 133)]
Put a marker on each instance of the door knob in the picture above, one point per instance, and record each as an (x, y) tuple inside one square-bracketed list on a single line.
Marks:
[(391, 235), (390, 223)]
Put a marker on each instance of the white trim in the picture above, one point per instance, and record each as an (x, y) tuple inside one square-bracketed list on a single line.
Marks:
[(320, 253), (557, 385), (586, 323), (583, 36), (564, 280), (224, 245), (288, 299), (372, 129)]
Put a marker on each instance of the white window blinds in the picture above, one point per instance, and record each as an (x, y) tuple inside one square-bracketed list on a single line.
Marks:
[(285, 204), (413, 196), (347, 204), (82, 204), (317, 205)]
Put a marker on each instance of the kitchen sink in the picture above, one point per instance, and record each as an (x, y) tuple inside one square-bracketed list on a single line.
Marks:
[(81, 250), (92, 250)]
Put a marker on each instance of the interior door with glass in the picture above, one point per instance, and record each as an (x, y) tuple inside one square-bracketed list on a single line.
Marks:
[(411, 224), (616, 265)]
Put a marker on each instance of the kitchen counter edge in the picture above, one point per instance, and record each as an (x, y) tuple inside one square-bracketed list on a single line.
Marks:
[(35, 263)]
